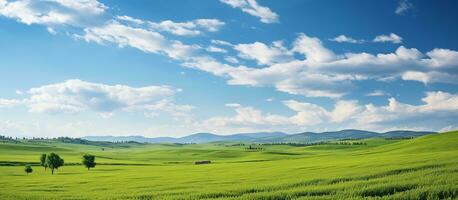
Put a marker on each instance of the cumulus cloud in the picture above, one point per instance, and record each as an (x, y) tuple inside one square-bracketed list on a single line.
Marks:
[(305, 68), (263, 54), (393, 38), (91, 13), (430, 77), (321, 72), (73, 96), (253, 8), (307, 114), (76, 95), (245, 116), (53, 13), (313, 49), (442, 58), (324, 73), (344, 38), (439, 109)]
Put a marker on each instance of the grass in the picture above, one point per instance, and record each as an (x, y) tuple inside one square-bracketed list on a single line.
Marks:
[(421, 168)]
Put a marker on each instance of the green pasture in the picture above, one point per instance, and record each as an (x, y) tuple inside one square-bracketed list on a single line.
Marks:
[(421, 168)]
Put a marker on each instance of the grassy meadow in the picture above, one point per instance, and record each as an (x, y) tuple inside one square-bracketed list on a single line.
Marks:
[(420, 168)]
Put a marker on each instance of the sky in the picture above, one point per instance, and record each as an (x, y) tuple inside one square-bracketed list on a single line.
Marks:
[(176, 67)]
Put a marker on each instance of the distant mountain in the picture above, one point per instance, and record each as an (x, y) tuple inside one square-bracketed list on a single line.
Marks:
[(265, 137), (201, 138), (130, 138), (194, 138), (399, 134), (263, 134), (309, 137)]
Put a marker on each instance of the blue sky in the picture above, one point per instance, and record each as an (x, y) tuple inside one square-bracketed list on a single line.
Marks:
[(172, 68)]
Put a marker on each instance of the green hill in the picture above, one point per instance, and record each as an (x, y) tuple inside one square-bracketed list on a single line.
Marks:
[(375, 168)]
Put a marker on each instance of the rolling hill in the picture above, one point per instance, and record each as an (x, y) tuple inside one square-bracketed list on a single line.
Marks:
[(416, 168)]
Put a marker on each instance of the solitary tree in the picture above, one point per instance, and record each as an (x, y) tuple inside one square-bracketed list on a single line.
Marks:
[(43, 161), (54, 161), (89, 161), (28, 169)]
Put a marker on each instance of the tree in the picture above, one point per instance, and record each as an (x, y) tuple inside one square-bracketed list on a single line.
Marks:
[(53, 161), (89, 161), (43, 161), (28, 169)]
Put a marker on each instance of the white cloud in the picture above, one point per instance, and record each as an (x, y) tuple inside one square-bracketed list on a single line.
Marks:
[(221, 43), (25, 12), (91, 13), (74, 96), (263, 54), (187, 28), (442, 58), (233, 105), (377, 93), (84, 6), (130, 19), (253, 8), (438, 110), (313, 49), (19, 92), (231, 59), (344, 111), (403, 7), (308, 68), (171, 108), (393, 38), (324, 73), (51, 30), (190, 28), (53, 12), (145, 40), (214, 49), (344, 38), (9, 102), (245, 116), (307, 114), (430, 77)]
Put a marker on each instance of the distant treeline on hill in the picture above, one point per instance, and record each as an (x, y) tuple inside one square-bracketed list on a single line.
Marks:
[(347, 142), (70, 140)]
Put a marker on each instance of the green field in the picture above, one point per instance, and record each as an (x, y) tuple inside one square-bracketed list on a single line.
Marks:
[(420, 168)]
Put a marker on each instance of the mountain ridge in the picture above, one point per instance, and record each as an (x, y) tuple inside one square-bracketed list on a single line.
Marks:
[(266, 137)]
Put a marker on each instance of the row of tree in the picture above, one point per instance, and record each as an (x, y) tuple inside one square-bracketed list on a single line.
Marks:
[(53, 161)]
